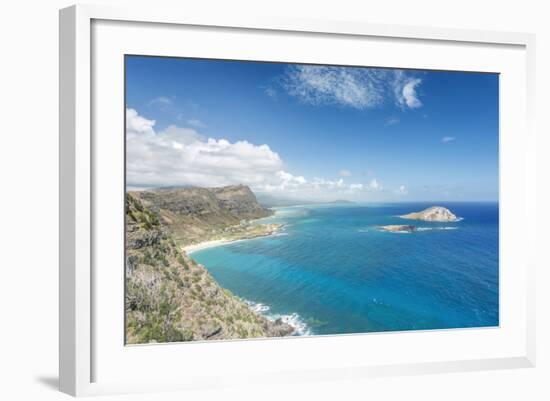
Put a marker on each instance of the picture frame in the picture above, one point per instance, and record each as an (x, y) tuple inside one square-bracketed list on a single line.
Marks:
[(82, 327)]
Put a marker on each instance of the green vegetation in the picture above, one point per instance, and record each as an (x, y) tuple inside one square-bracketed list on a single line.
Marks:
[(194, 215), (169, 297)]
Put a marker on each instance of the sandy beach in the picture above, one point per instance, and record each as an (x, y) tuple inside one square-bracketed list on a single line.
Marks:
[(189, 249)]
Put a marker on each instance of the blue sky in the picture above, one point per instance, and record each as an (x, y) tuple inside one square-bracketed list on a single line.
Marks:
[(312, 132)]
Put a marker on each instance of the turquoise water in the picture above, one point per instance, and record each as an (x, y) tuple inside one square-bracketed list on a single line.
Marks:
[(331, 271)]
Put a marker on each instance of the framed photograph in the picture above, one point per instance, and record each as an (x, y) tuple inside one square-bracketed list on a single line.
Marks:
[(357, 199)]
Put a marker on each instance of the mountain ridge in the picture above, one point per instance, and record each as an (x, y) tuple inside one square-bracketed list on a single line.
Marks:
[(194, 214)]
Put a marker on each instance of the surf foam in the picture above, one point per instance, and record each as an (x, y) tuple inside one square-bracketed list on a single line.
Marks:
[(436, 228), (294, 319)]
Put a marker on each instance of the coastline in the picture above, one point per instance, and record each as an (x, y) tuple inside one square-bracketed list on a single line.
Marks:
[(189, 249), (294, 320), (297, 231), (188, 300)]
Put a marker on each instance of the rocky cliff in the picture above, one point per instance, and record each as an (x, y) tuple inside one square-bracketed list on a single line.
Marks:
[(195, 214), (434, 213), (169, 297)]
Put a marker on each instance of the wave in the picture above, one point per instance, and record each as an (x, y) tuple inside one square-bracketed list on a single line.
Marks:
[(279, 234), (294, 319), (366, 230), (436, 228), (257, 307)]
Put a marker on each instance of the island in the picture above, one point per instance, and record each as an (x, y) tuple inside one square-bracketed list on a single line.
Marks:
[(396, 228), (434, 213), (169, 296)]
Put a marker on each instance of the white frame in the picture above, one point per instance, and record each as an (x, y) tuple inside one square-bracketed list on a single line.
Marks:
[(76, 169)]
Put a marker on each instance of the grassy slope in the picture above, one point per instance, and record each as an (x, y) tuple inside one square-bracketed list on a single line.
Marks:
[(200, 214), (169, 297)]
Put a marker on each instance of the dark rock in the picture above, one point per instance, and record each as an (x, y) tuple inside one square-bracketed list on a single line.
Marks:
[(398, 228), (210, 330), (148, 238), (278, 328)]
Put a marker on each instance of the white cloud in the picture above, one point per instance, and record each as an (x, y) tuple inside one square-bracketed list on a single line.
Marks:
[(358, 88), (321, 183), (317, 188), (374, 185), (345, 173), (196, 123), (287, 177), (285, 182), (136, 124), (181, 156), (402, 190), (447, 139), (334, 85), (180, 135), (289, 180), (408, 94), (177, 156), (161, 100)]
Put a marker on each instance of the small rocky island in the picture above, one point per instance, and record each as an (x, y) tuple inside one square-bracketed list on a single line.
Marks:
[(397, 228), (434, 213)]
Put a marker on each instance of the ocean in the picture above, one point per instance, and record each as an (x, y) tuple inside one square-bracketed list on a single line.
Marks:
[(331, 271)]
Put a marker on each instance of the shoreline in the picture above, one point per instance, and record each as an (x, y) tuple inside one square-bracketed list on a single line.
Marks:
[(294, 320), (189, 249)]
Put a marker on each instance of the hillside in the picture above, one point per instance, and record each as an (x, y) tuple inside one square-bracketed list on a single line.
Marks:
[(169, 297), (197, 214)]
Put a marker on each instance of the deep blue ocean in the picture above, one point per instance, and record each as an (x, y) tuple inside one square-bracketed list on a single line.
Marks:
[(331, 271)]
